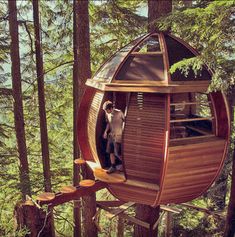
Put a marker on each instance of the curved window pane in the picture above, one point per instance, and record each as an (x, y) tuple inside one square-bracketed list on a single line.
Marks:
[(108, 70), (146, 68), (177, 52), (150, 45)]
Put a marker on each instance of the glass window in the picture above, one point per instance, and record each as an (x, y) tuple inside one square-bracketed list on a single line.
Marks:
[(177, 52), (146, 68), (190, 116), (151, 44), (107, 71)]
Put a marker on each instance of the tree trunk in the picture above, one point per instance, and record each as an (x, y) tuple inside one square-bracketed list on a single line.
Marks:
[(76, 176), (18, 104), (42, 108), (188, 3), (149, 215), (84, 69), (156, 9), (89, 228), (34, 219), (41, 100), (84, 72), (230, 220), (81, 73)]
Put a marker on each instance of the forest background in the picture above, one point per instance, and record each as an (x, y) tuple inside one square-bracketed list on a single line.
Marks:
[(206, 25)]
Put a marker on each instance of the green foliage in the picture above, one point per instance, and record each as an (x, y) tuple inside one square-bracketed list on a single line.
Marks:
[(210, 30)]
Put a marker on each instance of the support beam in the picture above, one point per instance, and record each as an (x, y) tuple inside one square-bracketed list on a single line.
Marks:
[(61, 198)]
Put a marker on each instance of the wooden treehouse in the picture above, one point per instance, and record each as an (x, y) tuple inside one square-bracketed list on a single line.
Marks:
[(174, 140), (175, 133)]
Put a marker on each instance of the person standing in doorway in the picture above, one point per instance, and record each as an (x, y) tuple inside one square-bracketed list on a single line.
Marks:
[(113, 132)]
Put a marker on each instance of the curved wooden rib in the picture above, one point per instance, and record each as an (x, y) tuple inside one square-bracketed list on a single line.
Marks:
[(94, 125), (82, 124)]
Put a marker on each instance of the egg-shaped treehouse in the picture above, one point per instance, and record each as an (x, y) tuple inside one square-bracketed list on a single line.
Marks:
[(175, 133)]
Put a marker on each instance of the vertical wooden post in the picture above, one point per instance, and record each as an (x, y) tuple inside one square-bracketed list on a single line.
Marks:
[(149, 215), (120, 227), (168, 232)]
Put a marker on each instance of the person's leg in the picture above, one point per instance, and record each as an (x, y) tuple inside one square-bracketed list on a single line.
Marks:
[(112, 159), (118, 154)]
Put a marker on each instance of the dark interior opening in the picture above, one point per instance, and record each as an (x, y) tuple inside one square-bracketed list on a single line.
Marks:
[(119, 100)]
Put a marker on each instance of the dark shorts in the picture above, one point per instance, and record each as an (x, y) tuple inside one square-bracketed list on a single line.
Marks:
[(113, 147)]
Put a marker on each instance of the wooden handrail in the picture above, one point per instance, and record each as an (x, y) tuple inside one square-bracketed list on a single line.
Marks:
[(204, 132), (191, 119), (191, 103)]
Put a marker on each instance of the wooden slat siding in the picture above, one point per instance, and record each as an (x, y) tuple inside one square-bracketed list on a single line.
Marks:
[(143, 138), (92, 123), (190, 170), (129, 193), (83, 113)]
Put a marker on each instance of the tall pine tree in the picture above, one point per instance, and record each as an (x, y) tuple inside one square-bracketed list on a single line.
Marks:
[(18, 102), (41, 99)]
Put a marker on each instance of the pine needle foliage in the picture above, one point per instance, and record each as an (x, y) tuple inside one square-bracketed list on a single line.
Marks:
[(210, 29)]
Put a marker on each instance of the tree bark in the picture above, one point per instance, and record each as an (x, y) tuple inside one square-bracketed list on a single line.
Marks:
[(76, 176), (34, 219), (41, 100), (84, 72), (18, 103), (230, 220), (156, 9), (89, 228)]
